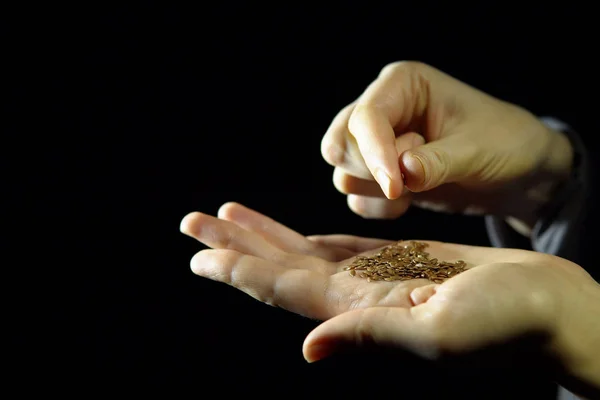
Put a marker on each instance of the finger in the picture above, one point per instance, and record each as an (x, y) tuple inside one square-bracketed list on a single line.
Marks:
[(421, 294), (393, 100), (377, 326), (348, 184), (339, 148), (450, 159), (271, 230), (297, 290), (375, 137), (277, 234), (355, 244), (378, 208), (333, 146), (220, 234), (348, 179)]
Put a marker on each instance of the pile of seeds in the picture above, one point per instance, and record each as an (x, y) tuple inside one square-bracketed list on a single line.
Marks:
[(404, 261)]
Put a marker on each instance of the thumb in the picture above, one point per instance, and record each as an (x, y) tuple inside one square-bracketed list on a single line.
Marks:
[(450, 159), (377, 326)]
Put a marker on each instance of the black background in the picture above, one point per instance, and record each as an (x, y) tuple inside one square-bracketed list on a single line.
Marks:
[(127, 117)]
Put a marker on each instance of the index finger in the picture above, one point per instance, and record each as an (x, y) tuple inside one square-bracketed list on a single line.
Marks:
[(393, 100)]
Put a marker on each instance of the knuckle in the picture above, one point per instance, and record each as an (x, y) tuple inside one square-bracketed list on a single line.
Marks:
[(222, 239), (402, 67), (344, 112), (332, 153), (333, 144), (389, 68), (360, 117)]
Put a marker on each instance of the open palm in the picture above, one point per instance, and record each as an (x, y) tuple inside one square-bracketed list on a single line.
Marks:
[(504, 292), (281, 267)]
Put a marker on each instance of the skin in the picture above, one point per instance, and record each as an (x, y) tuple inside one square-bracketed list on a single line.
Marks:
[(419, 136), (505, 294)]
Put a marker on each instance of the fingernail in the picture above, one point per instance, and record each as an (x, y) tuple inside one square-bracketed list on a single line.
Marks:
[(415, 168), (384, 181), (317, 352)]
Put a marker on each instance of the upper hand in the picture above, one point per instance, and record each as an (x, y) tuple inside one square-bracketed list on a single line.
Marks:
[(458, 149)]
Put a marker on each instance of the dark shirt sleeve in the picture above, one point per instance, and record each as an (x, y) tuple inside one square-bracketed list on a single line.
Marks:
[(563, 227)]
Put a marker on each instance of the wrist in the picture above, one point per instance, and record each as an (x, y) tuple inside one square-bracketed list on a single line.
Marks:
[(557, 166), (554, 170)]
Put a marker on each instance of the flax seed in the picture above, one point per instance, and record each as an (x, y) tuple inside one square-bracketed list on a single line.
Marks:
[(403, 262)]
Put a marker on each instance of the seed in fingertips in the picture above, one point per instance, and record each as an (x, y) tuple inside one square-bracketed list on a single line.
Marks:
[(404, 261)]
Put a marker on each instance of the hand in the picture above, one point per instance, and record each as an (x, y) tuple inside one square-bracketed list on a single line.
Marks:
[(504, 293), (458, 149)]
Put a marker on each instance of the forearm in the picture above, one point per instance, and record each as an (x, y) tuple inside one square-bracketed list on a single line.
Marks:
[(578, 342)]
